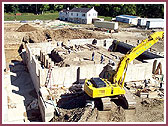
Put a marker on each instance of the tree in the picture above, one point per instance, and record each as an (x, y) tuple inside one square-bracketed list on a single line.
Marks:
[(112, 10), (58, 7), (116, 11), (129, 9), (150, 10), (44, 7)]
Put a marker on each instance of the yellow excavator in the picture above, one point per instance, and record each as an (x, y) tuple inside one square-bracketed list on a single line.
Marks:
[(101, 89)]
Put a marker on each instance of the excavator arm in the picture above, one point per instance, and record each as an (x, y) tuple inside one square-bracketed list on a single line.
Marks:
[(100, 89), (119, 77)]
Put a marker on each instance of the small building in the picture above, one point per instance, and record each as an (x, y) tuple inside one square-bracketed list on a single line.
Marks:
[(78, 15), (128, 19), (156, 22), (106, 24)]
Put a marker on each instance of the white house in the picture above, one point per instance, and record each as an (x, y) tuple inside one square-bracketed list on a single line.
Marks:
[(78, 15), (63, 14)]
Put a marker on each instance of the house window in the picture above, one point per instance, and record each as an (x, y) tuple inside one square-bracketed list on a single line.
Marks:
[(77, 14), (71, 14), (83, 15), (94, 14)]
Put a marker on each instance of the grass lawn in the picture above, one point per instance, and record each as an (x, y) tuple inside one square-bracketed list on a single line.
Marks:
[(29, 16), (45, 16), (105, 18)]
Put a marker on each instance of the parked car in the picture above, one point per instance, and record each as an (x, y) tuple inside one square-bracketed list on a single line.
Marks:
[(37, 21), (23, 21)]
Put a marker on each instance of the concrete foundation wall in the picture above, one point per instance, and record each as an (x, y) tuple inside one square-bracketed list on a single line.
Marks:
[(137, 72), (91, 70), (46, 47), (66, 76), (143, 71), (61, 76), (89, 41), (46, 109), (34, 68), (80, 41), (107, 41)]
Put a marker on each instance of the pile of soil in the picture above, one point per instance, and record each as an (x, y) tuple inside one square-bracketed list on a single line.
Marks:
[(25, 28), (35, 37), (73, 34), (60, 35)]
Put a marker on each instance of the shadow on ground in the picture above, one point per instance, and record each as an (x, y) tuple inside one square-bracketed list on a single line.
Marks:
[(23, 82)]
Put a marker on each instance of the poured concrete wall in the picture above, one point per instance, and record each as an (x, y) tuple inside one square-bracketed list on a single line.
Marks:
[(137, 72), (33, 67), (37, 74), (89, 41), (143, 71), (66, 76), (61, 76)]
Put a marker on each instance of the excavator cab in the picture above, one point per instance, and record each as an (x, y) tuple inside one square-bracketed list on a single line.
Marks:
[(97, 83)]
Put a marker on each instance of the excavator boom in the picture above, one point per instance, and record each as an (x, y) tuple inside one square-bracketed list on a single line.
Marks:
[(134, 53)]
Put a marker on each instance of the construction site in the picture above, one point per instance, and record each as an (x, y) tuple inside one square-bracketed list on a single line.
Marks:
[(50, 68)]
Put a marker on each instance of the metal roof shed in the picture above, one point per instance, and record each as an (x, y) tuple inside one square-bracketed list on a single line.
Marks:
[(142, 21), (155, 24), (128, 19)]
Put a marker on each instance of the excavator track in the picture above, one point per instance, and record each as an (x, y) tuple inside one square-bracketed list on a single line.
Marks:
[(103, 104), (106, 104)]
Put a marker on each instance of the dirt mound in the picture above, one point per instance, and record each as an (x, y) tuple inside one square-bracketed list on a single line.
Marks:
[(74, 34), (25, 28), (60, 35), (35, 37)]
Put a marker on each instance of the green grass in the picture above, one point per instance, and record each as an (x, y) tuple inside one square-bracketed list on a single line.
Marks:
[(45, 16), (29, 16), (105, 18)]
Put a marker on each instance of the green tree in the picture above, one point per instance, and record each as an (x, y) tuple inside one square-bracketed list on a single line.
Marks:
[(58, 7), (150, 10), (116, 11), (12, 8), (129, 9), (44, 7), (112, 10)]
